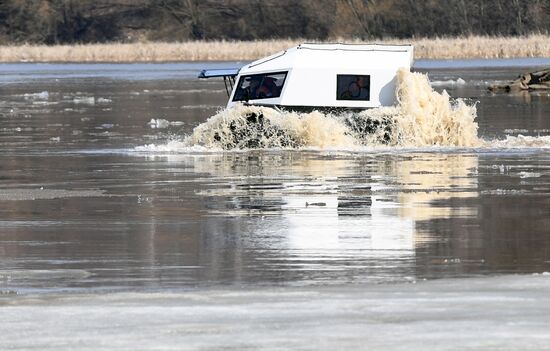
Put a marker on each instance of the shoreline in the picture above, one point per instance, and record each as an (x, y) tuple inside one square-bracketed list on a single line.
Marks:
[(473, 47)]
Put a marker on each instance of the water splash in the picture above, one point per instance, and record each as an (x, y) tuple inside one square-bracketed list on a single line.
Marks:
[(430, 118), (421, 118), (260, 127)]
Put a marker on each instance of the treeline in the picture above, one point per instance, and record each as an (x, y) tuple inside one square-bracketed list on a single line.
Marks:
[(85, 21)]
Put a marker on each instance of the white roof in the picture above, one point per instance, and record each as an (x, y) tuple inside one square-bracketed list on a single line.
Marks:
[(331, 55)]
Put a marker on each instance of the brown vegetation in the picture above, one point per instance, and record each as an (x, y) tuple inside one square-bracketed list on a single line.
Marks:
[(439, 48), (87, 21)]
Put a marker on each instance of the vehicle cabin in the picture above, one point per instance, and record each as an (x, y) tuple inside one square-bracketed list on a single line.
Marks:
[(352, 76)]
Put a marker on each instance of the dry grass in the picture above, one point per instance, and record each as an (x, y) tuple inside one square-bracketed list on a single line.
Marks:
[(482, 47), (438, 48)]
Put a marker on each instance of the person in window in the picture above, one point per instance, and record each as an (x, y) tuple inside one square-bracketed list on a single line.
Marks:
[(253, 87), (267, 89), (357, 90), (257, 87)]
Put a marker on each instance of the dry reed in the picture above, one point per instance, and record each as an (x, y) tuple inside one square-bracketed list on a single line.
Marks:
[(537, 45)]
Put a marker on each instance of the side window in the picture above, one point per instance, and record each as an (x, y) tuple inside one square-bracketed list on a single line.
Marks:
[(260, 86), (352, 87)]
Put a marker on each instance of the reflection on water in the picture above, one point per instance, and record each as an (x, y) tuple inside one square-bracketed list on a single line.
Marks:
[(425, 181), (265, 218), (79, 209)]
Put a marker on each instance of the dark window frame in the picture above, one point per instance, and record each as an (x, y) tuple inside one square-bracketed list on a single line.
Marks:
[(237, 98), (340, 94)]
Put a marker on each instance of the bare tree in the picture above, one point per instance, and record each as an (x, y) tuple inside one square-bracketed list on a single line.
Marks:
[(60, 21), (359, 10)]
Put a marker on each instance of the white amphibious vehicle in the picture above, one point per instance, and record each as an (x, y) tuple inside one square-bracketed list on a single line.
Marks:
[(319, 76)]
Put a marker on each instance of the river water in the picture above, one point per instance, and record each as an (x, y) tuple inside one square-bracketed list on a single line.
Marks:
[(111, 237)]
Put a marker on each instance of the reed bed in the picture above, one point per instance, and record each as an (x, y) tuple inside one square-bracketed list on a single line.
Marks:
[(537, 45)]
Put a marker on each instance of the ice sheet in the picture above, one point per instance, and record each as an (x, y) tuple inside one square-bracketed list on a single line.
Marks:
[(504, 313)]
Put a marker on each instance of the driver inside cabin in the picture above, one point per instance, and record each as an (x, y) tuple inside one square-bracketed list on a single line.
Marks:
[(258, 88), (252, 89), (267, 89)]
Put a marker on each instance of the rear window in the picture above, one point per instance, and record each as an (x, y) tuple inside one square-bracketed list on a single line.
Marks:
[(353, 87), (260, 86)]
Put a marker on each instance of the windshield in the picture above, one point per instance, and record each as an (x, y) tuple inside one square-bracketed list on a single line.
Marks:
[(260, 86)]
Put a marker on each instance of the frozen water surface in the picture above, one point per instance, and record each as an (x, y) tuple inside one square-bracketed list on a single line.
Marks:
[(504, 313), (113, 236)]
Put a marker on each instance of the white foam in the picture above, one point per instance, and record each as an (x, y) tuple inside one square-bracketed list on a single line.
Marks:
[(175, 146), (87, 100), (520, 142), (104, 101), (450, 82), (515, 131), (197, 91), (199, 107), (159, 123), (524, 175), (44, 95)]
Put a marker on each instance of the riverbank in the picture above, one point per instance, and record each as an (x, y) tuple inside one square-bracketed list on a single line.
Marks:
[(435, 48)]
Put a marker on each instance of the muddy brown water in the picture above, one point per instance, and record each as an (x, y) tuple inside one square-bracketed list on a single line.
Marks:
[(81, 209)]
